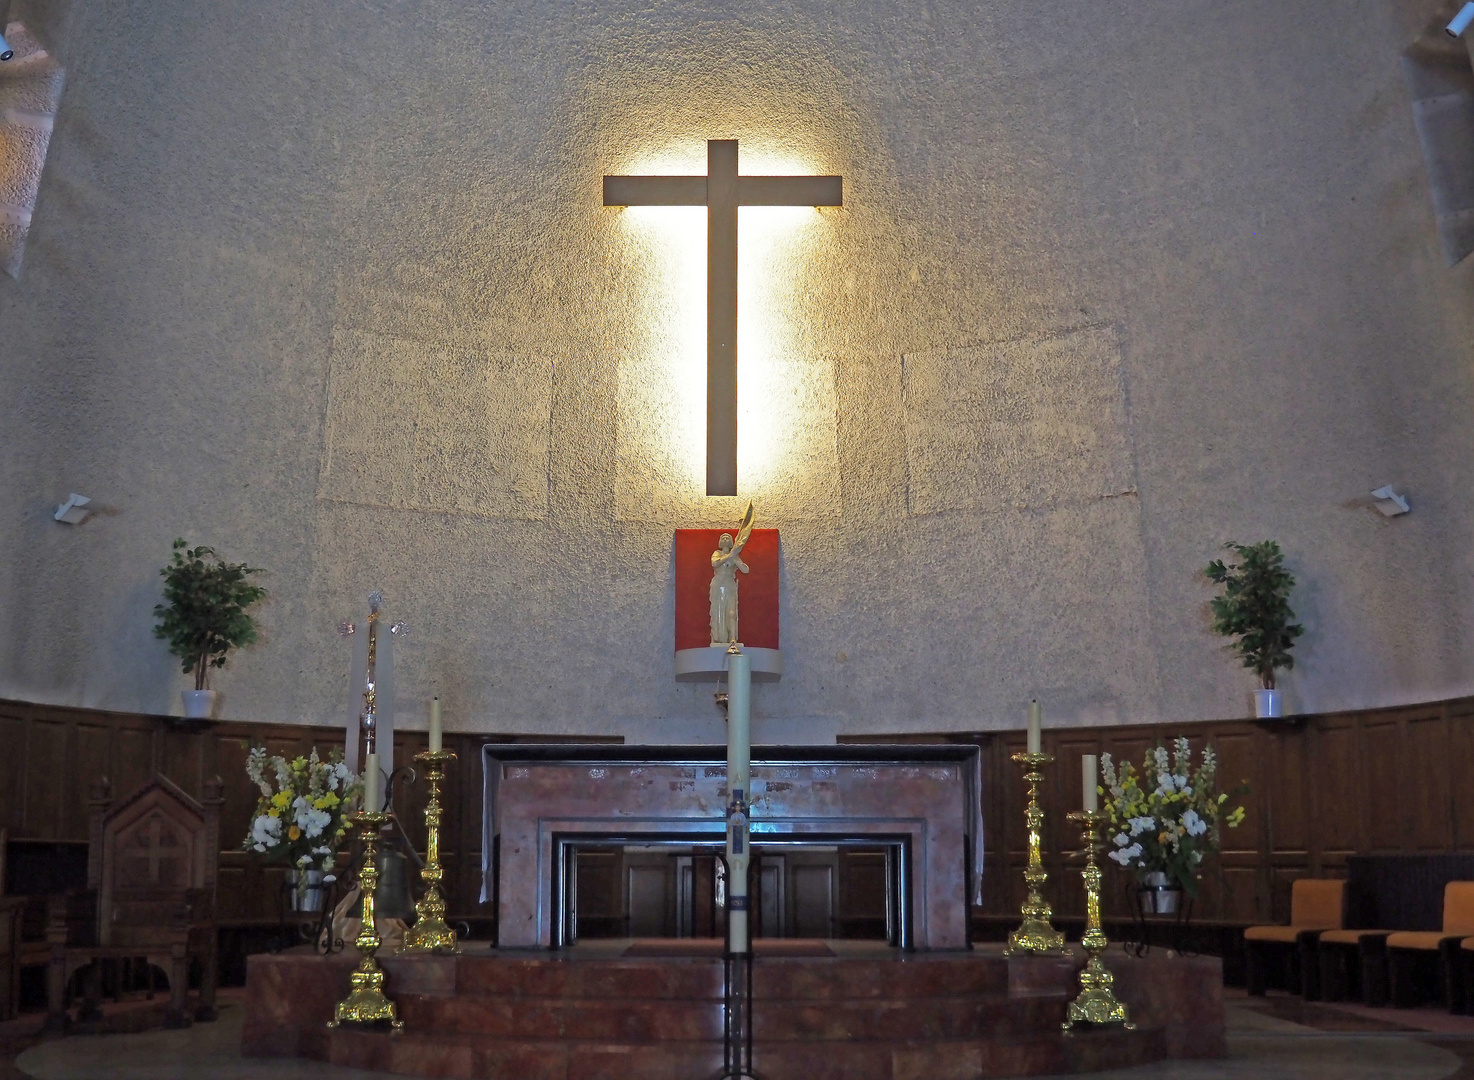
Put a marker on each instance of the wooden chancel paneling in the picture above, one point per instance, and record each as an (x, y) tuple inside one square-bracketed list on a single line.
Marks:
[(1386, 781), (1310, 803)]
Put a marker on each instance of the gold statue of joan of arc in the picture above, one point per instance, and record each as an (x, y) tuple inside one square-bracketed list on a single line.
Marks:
[(725, 562)]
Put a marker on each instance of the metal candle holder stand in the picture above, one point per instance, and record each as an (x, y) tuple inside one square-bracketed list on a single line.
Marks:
[(1175, 930), (1097, 1003), (366, 1003), (1036, 934), (430, 934)]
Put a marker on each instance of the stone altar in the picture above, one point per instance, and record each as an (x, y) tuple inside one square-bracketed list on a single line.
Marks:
[(921, 801)]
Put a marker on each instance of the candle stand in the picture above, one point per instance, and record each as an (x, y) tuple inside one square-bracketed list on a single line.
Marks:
[(430, 933), (1036, 934), (1097, 1003), (366, 1003)]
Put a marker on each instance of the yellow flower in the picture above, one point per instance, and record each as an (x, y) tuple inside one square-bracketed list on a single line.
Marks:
[(326, 802), (281, 799), (294, 833)]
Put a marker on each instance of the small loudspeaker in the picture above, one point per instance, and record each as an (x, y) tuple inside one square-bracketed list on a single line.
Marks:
[(74, 511)]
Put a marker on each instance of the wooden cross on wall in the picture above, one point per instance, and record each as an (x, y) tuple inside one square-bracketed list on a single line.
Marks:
[(722, 191)]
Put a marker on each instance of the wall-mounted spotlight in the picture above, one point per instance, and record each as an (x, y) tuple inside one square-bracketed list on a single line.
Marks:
[(1388, 502), (74, 511), (1461, 21), (6, 52)]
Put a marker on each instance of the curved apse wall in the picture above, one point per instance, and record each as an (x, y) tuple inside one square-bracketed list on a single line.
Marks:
[(332, 290)]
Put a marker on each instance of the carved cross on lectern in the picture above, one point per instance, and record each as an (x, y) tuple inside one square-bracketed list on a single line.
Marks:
[(722, 191)]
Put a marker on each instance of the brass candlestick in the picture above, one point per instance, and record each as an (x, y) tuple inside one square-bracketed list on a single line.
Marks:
[(1036, 934), (1097, 1004), (366, 1003), (429, 933)]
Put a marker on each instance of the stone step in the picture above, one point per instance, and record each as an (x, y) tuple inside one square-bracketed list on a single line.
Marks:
[(916, 1018), (701, 979), (676, 1020), (465, 1056)]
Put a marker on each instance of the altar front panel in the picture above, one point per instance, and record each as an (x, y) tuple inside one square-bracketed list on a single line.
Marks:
[(925, 798)]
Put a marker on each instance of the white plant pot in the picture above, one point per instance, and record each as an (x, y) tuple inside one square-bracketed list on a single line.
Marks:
[(1158, 896), (1267, 705), (198, 704), (306, 895)]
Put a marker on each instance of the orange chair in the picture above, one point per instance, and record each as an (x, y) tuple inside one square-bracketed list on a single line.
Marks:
[(1414, 952), (1466, 961), (1348, 957), (1316, 904)]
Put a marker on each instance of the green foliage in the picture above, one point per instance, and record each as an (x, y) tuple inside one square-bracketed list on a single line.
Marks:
[(204, 613), (1255, 607)]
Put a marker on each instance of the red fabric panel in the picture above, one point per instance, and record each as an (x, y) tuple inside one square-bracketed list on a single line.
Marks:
[(757, 592)]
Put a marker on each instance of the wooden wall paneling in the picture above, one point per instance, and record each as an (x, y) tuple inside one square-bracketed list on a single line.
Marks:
[(12, 773), (995, 766), (48, 781), (413, 796), (92, 760), (1382, 744), (1334, 776), (1240, 887), (1461, 755), (1130, 744), (1386, 780), (239, 793), (181, 758), (132, 762), (237, 887), (1282, 794), (1235, 872), (1425, 790), (464, 799)]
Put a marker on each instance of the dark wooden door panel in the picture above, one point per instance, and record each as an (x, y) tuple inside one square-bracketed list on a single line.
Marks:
[(1429, 820), (1335, 776)]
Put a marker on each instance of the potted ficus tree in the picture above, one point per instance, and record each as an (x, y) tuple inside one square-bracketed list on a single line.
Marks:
[(204, 616), (1254, 610)]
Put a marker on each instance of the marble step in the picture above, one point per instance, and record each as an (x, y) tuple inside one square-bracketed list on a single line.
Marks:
[(702, 979), (466, 1056), (677, 1020)]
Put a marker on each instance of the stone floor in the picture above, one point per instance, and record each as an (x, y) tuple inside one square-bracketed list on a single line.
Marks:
[(1274, 1038)]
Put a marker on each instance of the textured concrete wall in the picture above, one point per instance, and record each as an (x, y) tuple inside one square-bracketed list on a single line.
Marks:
[(329, 287)]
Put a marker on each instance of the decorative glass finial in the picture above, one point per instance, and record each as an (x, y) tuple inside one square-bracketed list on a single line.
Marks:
[(376, 600)]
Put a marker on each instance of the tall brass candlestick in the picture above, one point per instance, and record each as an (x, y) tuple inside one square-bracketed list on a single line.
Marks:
[(1097, 1003), (1036, 934), (429, 933), (366, 1003)]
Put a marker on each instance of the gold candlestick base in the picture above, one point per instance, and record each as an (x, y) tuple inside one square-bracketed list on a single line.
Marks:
[(1036, 934), (366, 1003), (1097, 1003), (429, 933)]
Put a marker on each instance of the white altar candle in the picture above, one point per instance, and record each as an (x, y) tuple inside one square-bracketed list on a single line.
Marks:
[(373, 798), (1036, 725), (435, 729), (1089, 778)]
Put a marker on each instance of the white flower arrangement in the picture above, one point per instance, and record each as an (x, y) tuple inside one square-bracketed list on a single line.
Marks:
[(1170, 828), (299, 817)]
